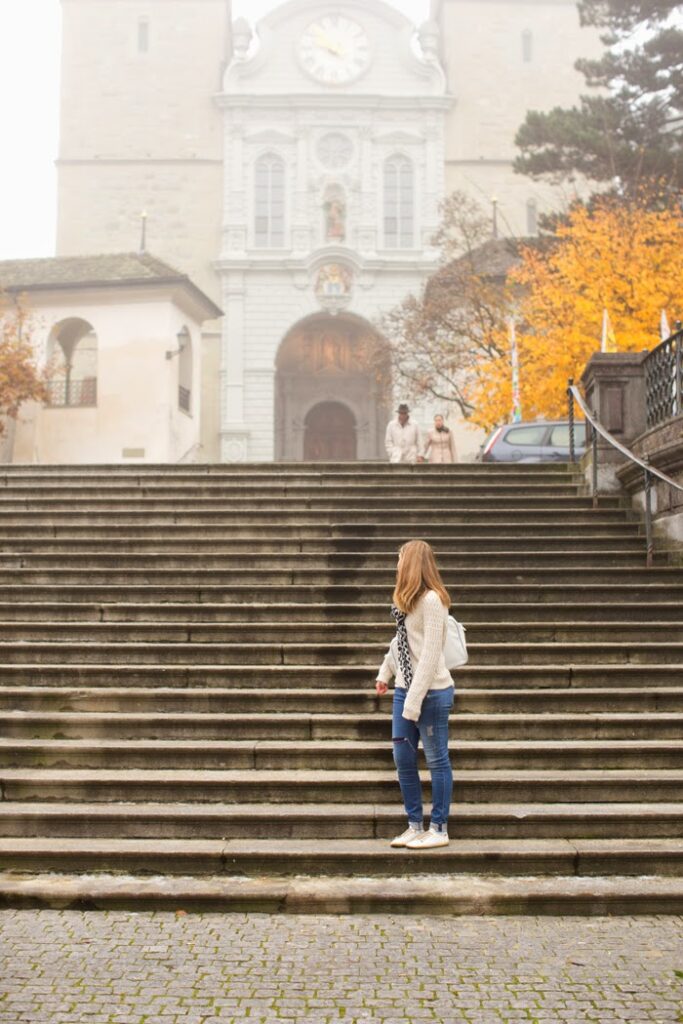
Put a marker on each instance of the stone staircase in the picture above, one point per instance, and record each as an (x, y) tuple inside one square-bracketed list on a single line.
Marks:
[(187, 706)]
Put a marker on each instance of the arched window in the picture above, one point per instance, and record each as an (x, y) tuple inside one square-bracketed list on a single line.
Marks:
[(72, 364), (185, 371), (531, 217), (269, 202), (399, 203), (527, 45)]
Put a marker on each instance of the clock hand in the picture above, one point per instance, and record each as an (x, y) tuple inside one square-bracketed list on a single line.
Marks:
[(329, 44)]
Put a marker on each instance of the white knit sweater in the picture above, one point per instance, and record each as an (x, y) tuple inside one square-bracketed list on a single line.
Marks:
[(426, 628)]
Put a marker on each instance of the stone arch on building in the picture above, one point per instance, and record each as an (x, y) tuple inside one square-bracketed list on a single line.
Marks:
[(332, 390), (72, 363)]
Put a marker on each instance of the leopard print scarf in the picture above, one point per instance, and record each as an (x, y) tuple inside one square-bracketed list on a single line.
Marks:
[(403, 648)]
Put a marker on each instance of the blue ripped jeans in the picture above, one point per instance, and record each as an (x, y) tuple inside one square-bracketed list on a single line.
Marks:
[(432, 729)]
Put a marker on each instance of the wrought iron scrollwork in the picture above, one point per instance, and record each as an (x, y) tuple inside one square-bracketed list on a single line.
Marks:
[(664, 380)]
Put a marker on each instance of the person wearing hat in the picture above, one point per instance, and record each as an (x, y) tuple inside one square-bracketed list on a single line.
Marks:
[(403, 438)]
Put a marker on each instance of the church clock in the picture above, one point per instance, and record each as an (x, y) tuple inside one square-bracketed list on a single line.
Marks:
[(334, 50)]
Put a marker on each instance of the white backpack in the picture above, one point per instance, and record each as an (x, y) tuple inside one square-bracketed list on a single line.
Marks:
[(455, 649)]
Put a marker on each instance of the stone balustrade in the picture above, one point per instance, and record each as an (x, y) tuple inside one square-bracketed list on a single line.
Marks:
[(615, 388)]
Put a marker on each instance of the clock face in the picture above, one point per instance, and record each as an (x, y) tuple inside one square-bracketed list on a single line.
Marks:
[(334, 150), (334, 49)]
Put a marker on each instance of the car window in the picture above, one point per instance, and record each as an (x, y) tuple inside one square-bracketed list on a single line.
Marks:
[(525, 435), (559, 437)]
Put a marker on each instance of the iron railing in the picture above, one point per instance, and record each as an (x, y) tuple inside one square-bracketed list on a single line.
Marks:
[(68, 393), (664, 379), (649, 472)]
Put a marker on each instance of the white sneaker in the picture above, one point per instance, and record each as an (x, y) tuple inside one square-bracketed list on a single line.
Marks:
[(428, 840), (407, 836)]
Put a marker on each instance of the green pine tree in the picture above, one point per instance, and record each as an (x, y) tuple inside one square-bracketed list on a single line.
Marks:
[(631, 129)]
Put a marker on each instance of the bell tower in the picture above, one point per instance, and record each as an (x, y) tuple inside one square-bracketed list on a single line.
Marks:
[(503, 58), (140, 131)]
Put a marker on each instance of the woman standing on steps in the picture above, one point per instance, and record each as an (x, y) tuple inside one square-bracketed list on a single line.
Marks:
[(423, 692)]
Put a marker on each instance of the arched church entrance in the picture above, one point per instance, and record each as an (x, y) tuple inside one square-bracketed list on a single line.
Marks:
[(329, 433), (332, 391)]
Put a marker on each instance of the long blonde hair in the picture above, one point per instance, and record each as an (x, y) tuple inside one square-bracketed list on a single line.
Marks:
[(417, 572)]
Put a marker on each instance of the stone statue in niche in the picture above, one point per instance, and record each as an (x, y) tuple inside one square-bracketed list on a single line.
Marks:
[(335, 217)]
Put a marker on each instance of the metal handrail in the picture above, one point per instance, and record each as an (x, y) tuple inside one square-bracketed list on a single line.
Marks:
[(574, 395)]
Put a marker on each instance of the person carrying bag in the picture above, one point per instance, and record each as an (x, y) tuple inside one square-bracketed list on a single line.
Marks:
[(423, 691)]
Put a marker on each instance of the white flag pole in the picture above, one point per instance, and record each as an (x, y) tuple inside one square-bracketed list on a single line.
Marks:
[(514, 358), (664, 330)]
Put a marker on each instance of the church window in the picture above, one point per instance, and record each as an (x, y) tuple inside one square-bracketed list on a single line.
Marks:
[(527, 45), (269, 202), (531, 217), (399, 203), (143, 35), (72, 364), (185, 371)]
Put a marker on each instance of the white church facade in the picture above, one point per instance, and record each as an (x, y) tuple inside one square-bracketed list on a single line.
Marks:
[(331, 201)]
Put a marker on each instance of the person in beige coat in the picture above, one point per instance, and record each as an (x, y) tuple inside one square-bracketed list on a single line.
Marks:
[(440, 443)]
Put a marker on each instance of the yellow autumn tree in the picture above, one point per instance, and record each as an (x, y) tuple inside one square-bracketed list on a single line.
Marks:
[(626, 258), (20, 378)]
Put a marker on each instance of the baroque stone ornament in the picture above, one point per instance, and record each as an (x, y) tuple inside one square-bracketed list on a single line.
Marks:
[(334, 150), (333, 286)]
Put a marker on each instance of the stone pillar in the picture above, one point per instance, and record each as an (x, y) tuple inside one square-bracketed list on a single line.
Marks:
[(234, 431), (614, 386)]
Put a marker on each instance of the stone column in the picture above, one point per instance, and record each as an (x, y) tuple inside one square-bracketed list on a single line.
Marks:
[(234, 431)]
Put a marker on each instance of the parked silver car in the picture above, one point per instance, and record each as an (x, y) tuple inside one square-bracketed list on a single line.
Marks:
[(537, 441)]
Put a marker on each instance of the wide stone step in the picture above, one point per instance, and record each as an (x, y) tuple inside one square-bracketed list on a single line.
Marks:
[(568, 701), (259, 724), (172, 785), (382, 521), (237, 596), (514, 677), (362, 615), (323, 564), (455, 895), (309, 579), (335, 821), (290, 470), (165, 543), (330, 633), (274, 654), (337, 536), (273, 491), (335, 755), (253, 858), (364, 505)]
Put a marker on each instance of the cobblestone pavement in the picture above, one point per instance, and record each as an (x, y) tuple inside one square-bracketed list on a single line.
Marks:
[(67, 967)]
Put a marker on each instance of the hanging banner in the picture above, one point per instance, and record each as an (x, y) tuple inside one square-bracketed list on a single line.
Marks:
[(609, 341), (664, 331), (514, 354)]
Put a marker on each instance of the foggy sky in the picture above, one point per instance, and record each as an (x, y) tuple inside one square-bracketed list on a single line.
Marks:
[(29, 95)]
